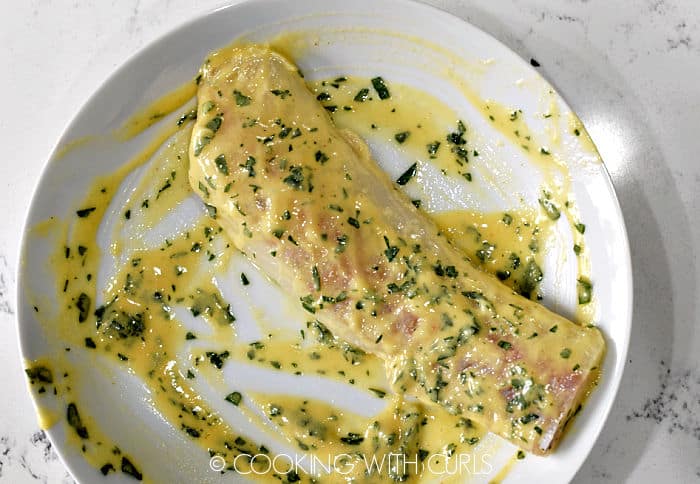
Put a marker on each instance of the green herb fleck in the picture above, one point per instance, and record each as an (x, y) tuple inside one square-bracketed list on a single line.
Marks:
[(202, 141), (550, 208), (433, 148), (234, 398), (321, 157), (215, 123), (362, 95), (241, 99), (296, 178), (130, 469), (307, 302), (250, 166), (352, 439), (40, 374), (342, 244), (391, 250), (217, 359), (220, 162), (380, 87), (585, 291), (83, 305), (211, 210), (74, 421), (84, 212), (530, 417), (402, 136), (407, 175), (281, 93), (316, 278), (207, 106), (530, 279)]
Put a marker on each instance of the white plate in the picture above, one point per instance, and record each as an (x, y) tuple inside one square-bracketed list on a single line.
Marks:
[(400, 40)]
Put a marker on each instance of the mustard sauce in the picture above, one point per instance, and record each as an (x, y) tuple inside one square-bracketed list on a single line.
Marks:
[(131, 320), (507, 468), (157, 110)]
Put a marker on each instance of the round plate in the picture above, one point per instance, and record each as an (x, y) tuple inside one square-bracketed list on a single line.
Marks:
[(403, 41)]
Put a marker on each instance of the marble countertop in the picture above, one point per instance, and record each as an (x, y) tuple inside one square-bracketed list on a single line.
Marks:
[(629, 68)]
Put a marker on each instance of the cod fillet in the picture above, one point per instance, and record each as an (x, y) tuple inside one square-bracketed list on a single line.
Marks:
[(310, 208)]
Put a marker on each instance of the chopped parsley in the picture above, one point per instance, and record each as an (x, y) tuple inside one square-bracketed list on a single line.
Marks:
[(433, 148), (220, 162), (84, 212), (505, 345), (550, 208), (321, 157), (402, 136), (130, 469), (295, 178), (234, 398), (215, 123), (281, 93), (352, 439), (362, 95), (380, 87), (391, 250), (241, 99), (407, 175), (250, 166), (316, 278), (75, 421), (585, 291)]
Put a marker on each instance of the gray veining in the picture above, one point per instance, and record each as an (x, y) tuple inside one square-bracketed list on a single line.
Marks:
[(6, 281), (675, 406)]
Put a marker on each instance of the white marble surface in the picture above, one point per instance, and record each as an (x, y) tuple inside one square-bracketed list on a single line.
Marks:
[(631, 69)]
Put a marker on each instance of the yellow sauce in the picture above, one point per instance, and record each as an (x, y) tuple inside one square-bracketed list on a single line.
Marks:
[(145, 341), (410, 120), (188, 261), (505, 470), (431, 440), (157, 110), (68, 147), (510, 245), (44, 383)]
